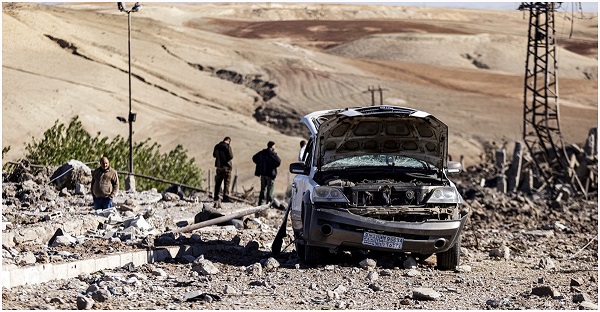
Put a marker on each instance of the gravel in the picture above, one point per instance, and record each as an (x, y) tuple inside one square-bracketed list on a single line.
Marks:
[(518, 252)]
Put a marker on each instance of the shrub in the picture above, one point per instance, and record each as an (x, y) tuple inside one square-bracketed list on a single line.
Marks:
[(61, 144)]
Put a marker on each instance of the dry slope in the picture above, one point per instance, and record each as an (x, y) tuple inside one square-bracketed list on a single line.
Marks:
[(250, 70)]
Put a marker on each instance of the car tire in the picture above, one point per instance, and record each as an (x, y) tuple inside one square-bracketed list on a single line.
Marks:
[(310, 254), (313, 254), (450, 259)]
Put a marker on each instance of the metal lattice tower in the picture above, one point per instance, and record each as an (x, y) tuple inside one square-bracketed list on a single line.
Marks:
[(541, 128)]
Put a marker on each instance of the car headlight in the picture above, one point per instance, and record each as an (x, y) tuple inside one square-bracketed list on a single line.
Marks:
[(328, 194), (445, 195)]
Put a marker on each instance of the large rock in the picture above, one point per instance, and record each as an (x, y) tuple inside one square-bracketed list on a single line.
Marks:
[(426, 294), (271, 264), (84, 303), (71, 173), (205, 267)]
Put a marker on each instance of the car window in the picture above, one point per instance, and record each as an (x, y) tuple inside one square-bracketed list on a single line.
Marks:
[(376, 161)]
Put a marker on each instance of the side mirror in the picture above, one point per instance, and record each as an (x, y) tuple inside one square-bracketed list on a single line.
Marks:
[(298, 168), (454, 167)]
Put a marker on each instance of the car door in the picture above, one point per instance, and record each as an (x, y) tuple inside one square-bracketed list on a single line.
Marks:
[(304, 182), (301, 183)]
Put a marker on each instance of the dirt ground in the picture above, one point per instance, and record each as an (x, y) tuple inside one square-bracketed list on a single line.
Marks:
[(250, 71), (518, 252)]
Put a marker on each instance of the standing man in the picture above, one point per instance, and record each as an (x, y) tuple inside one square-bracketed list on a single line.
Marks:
[(266, 162), (223, 156), (105, 184)]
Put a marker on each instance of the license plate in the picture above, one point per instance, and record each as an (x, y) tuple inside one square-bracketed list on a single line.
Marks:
[(379, 240)]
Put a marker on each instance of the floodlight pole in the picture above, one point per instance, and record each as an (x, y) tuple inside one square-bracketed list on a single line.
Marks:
[(130, 181), (130, 114)]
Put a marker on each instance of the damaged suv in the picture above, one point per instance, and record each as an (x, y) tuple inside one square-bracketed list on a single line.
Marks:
[(375, 178)]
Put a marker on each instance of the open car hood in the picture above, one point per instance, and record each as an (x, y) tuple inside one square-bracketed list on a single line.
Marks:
[(376, 130)]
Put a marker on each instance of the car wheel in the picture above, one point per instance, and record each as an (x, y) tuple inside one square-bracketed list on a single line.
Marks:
[(450, 259), (313, 254), (310, 254)]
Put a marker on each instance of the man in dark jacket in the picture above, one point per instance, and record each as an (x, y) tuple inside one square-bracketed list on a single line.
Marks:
[(223, 156), (105, 184), (266, 162)]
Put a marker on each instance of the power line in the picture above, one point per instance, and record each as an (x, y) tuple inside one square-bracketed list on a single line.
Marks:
[(372, 90)]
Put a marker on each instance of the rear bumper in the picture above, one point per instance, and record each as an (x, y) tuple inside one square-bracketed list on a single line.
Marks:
[(332, 228)]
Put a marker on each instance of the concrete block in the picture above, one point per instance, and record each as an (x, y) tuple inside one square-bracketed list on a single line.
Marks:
[(27, 235), (15, 276), (590, 148), (125, 258), (60, 270), (113, 261), (514, 172), (100, 263), (526, 181), (500, 159), (501, 183), (5, 225), (9, 267), (47, 272), (74, 268), (6, 279), (87, 265), (139, 258), (8, 239), (45, 233), (28, 275)]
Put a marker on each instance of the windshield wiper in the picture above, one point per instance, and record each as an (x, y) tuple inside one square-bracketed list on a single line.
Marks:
[(423, 176)]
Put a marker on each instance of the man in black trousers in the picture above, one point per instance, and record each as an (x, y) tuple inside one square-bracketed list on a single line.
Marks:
[(223, 156), (266, 162)]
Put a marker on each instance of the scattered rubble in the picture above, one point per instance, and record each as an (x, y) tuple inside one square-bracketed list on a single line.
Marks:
[(520, 251)]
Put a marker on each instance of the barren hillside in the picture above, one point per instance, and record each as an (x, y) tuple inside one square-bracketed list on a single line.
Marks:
[(251, 70)]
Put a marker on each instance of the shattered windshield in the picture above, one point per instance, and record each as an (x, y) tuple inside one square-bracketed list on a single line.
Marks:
[(376, 161)]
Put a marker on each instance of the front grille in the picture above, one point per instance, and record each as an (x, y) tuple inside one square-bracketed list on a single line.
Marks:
[(380, 198)]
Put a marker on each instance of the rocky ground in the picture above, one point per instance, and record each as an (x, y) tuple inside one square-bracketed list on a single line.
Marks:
[(518, 252)]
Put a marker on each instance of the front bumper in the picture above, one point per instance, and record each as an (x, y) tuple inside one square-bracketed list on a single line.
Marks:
[(332, 228)]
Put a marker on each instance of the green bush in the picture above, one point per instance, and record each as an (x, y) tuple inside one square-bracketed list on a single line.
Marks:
[(61, 144), (5, 150)]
